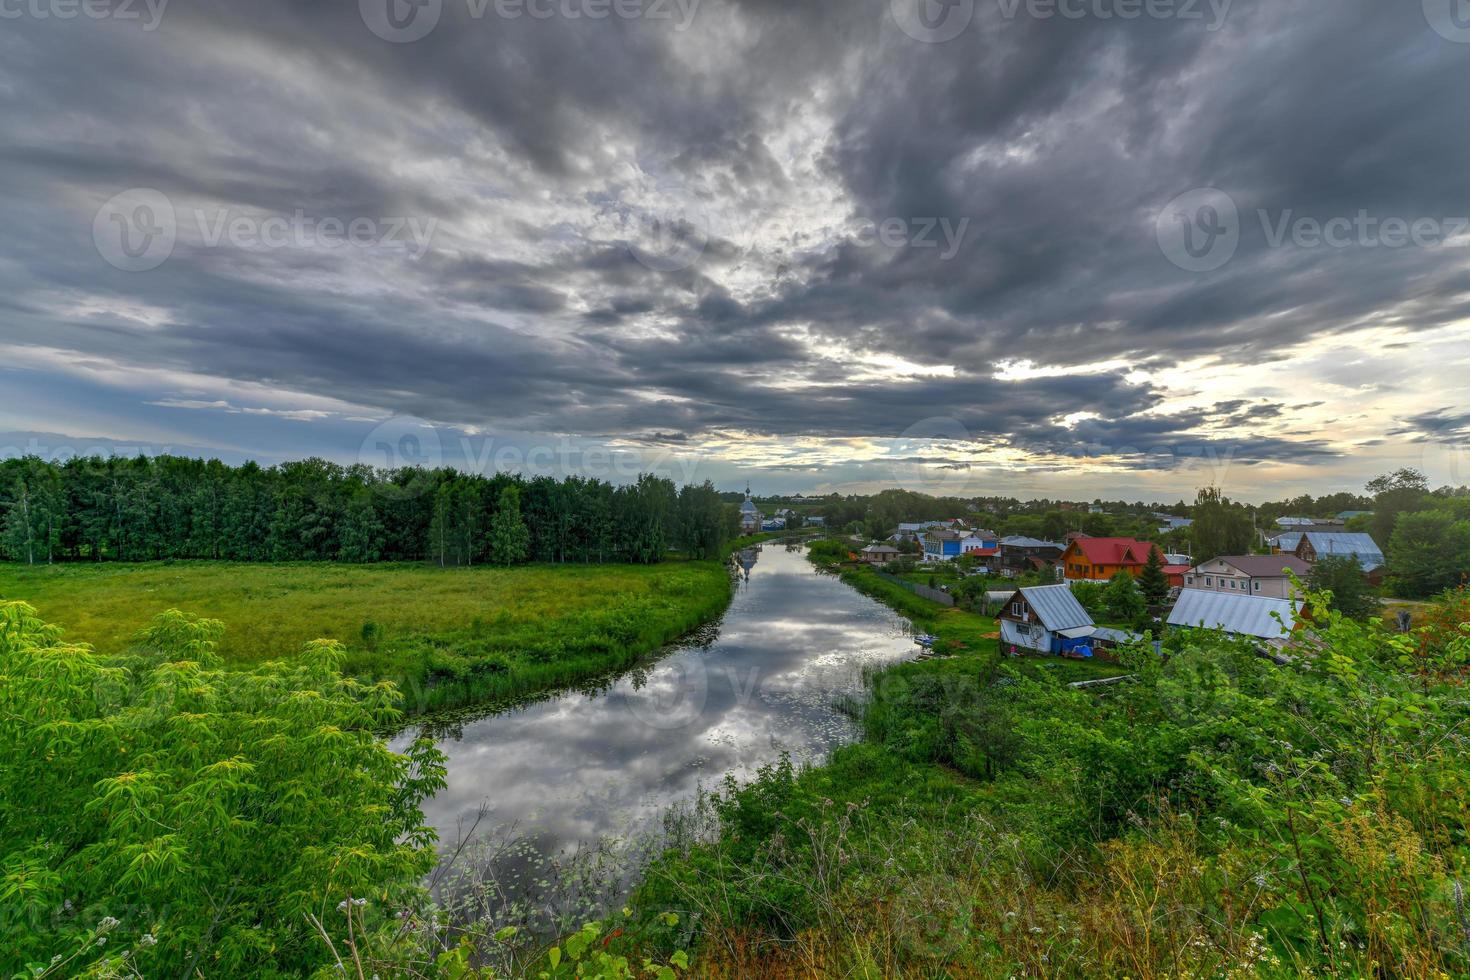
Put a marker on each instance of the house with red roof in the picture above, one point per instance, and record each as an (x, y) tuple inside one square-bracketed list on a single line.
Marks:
[(1099, 559)]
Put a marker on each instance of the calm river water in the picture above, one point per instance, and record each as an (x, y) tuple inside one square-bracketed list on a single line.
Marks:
[(580, 769)]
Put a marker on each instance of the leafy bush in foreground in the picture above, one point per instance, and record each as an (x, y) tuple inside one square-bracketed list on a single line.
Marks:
[(161, 814)]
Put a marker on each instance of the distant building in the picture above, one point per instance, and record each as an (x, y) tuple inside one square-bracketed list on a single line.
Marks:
[(945, 544), (1285, 542), (913, 532), (1271, 620), (1348, 515), (1316, 545), (816, 521), (1099, 559), (879, 554), (1261, 575), (1019, 555), (750, 516)]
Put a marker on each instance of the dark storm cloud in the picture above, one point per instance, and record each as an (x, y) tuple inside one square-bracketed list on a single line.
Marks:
[(528, 142), (1448, 426)]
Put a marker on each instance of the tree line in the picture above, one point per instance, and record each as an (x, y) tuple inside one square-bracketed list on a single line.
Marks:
[(171, 507)]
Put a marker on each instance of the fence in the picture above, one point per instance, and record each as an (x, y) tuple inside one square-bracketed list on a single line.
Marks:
[(934, 595)]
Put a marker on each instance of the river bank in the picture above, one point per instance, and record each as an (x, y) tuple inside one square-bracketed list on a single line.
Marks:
[(995, 823), (575, 785), (446, 637)]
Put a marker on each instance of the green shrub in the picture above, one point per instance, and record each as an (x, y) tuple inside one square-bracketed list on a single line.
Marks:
[(192, 817)]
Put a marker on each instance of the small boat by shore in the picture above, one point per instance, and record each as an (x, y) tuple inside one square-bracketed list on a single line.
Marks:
[(925, 640)]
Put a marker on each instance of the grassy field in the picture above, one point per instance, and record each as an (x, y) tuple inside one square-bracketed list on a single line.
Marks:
[(448, 636)]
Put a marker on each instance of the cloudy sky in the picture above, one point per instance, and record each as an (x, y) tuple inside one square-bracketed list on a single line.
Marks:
[(1033, 247)]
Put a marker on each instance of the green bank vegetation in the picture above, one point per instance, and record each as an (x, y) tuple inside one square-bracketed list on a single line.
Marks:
[(1218, 816), (447, 637)]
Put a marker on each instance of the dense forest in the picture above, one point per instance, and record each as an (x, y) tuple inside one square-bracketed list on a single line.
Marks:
[(168, 507)]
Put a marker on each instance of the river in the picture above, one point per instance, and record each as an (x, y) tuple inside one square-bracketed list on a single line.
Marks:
[(588, 770)]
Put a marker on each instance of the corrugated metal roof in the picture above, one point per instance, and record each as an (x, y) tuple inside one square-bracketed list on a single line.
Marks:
[(1021, 541), (1358, 545), (1056, 607), (1245, 615)]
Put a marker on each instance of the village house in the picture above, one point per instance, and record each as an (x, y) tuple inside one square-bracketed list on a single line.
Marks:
[(947, 544), (879, 554), (1263, 575), (1237, 614), (1285, 542), (1020, 554), (913, 532), (1045, 619), (1316, 545), (1099, 559)]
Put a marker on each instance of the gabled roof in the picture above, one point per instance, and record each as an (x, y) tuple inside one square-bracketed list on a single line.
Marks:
[(885, 548), (1056, 607), (1263, 566), (1021, 541), (1357, 545), (1114, 551), (1243, 615)]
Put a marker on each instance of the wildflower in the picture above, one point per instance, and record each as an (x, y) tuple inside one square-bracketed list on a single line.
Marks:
[(148, 939), (101, 940), (1259, 878), (107, 923)]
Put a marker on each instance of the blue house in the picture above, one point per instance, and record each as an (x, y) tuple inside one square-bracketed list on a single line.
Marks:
[(946, 545)]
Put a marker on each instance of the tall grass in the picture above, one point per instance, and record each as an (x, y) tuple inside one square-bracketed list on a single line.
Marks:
[(448, 637)]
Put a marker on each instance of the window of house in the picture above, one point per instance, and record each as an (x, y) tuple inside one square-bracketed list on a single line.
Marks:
[(1189, 579), (1016, 608), (1207, 580), (1258, 586)]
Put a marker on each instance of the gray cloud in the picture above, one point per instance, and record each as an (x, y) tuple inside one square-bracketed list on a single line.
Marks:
[(536, 146)]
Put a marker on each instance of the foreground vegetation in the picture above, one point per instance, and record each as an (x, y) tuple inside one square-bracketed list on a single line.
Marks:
[(444, 636), (1220, 816)]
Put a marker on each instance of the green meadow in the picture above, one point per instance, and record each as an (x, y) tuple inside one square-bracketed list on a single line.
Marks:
[(449, 636)]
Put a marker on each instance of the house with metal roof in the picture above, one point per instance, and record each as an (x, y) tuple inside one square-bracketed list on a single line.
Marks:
[(879, 554), (1271, 620), (1263, 575), (1286, 541), (1316, 545), (1045, 619)]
